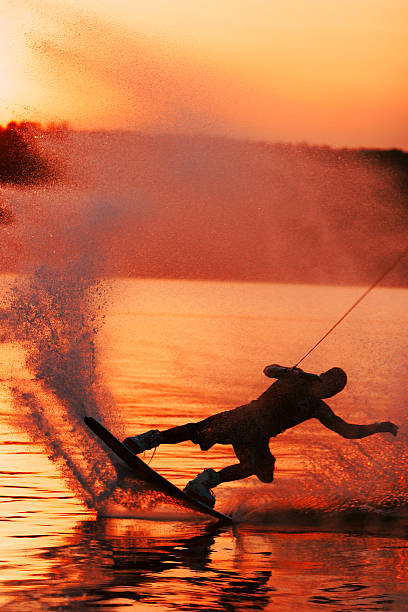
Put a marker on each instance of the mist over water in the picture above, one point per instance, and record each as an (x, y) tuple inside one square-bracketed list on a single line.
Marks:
[(211, 208)]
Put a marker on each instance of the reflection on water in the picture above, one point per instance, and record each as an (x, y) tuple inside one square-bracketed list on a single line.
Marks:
[(329, 533), (113, 564)]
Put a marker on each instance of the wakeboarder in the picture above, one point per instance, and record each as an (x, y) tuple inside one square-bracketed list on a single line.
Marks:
[(295, 397)]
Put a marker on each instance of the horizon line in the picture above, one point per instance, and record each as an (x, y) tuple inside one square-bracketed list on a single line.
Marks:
[(64, 126)]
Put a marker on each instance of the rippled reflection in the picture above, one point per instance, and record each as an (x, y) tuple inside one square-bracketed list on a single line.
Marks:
[(117, 563)]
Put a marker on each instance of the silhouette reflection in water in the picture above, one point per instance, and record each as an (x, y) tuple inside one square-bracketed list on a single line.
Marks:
[(138, 555), (120, 563)]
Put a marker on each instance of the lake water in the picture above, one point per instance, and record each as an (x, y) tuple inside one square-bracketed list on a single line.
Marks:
[(329, 533)]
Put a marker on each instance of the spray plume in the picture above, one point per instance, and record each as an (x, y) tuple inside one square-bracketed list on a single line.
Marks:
[(54, 310)]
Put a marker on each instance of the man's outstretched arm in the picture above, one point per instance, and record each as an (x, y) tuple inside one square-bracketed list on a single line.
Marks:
[(348, 430)]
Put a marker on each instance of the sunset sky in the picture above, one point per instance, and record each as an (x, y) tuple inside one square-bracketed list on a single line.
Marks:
[(322, 71)]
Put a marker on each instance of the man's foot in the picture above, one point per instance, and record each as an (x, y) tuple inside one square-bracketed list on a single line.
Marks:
[(143, 442), (199, 487)]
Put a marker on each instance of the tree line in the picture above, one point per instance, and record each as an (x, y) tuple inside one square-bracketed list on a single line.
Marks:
[(23, 160)]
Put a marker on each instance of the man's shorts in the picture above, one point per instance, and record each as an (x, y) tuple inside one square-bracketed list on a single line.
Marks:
[(229, 427)]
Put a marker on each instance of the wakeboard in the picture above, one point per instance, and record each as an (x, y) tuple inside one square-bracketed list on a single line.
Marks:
[(145, 473)]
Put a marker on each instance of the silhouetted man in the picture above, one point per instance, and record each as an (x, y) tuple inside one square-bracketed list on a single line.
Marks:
[(295, 397)]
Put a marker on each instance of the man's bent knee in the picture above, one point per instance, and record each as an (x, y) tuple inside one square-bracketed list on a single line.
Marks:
[(265, 472), (265, 476)]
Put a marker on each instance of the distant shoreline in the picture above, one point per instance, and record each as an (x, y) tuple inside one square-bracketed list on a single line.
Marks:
[(24, 162), (206, 208)]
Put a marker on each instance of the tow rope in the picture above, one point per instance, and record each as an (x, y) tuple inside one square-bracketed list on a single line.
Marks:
[(360, 299)]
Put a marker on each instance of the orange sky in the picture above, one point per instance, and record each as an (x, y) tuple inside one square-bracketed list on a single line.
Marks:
[(321, 71)]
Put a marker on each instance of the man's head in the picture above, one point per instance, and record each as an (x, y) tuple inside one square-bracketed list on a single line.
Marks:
[(329, 383)]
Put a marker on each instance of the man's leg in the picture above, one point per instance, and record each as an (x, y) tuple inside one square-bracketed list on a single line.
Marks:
[(253, 460), (154, 437), (238, 471), (200, 487), (175, 435)]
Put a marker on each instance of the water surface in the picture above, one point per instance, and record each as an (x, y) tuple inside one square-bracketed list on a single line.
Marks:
[(329, 533)]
